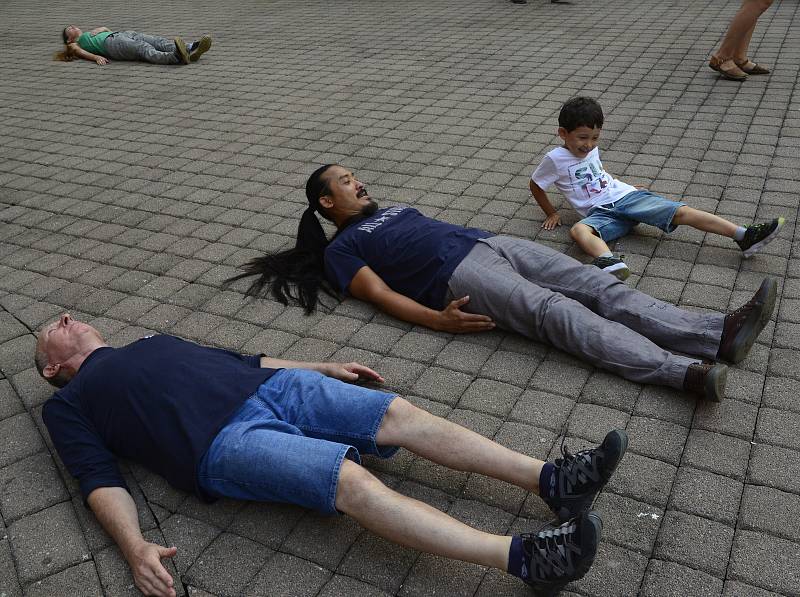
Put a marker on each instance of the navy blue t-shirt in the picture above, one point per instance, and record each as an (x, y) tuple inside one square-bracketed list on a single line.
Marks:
[(414, 254), (159, 401)]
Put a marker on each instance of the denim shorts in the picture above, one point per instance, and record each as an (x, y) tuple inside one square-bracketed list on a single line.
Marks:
[(287, 441), (616, 219)]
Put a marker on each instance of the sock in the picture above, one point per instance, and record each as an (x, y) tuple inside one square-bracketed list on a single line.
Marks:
[(516, 559), (547, 480), (606, 254), (739, 234), (192, 46)]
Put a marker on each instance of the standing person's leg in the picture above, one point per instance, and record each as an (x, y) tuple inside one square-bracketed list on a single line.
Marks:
[(502, 278), (732, 53), (129, 45)]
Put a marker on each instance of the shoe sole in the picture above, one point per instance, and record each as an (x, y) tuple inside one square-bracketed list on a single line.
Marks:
[(765, 241), (758, 320), (203, 46), (618, 270), (564, 513), (588, 520), (715, 383)]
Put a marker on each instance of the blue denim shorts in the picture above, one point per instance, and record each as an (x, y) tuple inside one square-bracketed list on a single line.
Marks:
[(617, 219), (287, 441)]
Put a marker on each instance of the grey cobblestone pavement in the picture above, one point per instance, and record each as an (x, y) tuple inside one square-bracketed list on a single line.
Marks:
[(129, 192)]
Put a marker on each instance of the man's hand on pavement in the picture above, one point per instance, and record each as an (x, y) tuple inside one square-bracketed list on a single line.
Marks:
[(149, 573), (452, 319), (350, 372)]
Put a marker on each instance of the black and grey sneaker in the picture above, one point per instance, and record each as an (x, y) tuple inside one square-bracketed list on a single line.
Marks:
[(613, 265), (578, 478), (555, 557), (757, 236)]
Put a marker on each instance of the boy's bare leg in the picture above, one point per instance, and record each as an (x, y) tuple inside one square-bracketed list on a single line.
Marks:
[(456, 447), (587, 239), (412, 523), (704, 221)]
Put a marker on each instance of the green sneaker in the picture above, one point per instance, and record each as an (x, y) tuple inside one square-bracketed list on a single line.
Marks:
[(200, 48), (180, 50), (757, 236)]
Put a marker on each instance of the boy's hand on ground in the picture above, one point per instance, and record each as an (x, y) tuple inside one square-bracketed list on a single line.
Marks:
[(551, 221), (452, 319), (350, 372), (101, 61), (149, 573)]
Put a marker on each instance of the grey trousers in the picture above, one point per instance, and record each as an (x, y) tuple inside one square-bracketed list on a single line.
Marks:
[(131, 45), (545, 295)]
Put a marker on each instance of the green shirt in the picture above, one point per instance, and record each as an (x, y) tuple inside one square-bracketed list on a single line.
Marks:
[(93, 43)]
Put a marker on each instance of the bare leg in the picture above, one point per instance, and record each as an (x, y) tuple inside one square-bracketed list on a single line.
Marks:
[(703, 221), (456, 447), (737, 38), (587, 239), (412, 523)]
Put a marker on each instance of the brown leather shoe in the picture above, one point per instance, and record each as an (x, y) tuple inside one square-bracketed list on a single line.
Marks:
[(730, 72), (706, 380), (742, 327)]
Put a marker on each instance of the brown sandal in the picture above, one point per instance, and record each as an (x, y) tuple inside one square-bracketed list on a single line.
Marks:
[(751, 68), (733, 73)]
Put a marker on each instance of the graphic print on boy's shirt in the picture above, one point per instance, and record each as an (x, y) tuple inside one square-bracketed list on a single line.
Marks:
[(589, 177), (583, 181)]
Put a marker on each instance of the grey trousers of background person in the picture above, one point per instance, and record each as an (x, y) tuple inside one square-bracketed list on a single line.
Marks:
[(132, 45), (545, 295)]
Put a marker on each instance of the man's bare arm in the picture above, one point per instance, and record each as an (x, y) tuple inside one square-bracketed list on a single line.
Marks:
[(344, 371), (116, 511), (368, 286)]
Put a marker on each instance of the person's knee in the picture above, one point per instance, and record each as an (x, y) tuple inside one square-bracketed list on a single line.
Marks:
[(579, 231), (396, 419), (681, 214), (355, 485)]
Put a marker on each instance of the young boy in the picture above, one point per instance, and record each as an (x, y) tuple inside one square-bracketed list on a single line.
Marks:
[(610, 207)]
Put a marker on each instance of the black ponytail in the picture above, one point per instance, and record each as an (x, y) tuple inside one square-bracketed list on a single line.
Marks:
[(297, 274)]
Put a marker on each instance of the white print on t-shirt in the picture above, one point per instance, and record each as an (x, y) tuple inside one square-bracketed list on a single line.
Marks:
[(368, 227), (589, 176)]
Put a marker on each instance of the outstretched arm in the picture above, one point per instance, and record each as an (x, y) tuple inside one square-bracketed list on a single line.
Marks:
[(553, 219), (368, 286), (116, 511), (344, 371)]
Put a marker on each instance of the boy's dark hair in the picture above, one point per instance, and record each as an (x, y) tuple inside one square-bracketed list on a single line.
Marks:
[(580, 111)]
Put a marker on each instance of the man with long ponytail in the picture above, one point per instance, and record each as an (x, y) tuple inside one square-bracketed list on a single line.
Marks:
[(456, 279)]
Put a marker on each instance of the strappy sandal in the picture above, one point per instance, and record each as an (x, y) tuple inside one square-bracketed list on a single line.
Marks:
[(751, 68), (732, 73)]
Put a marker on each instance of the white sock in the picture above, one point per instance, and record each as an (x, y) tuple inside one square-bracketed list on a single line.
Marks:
[(739, 234), (606, 254)]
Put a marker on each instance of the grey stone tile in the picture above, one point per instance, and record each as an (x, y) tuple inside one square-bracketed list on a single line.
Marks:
[(721, 454), (775, 467), (21, 439), (594, 422), (442, 385), (668, 579), (47, 542), (491, 397), (288, 575), (643, 479), (10, 403), (765, 561), (344, 586), (541, 409), (778, 427), (435, 575), (30, 485), (694, 541), (770, 510), (706, 494), (463, 356), (227, 565), (616, 571), (322, 539), (9, 584), (378, 562), (730, 417), (190, 536), (78, 580), (657, 439), (629, 523), (266, 523)]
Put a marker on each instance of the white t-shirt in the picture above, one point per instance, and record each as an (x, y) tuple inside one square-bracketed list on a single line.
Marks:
[(582, 180)]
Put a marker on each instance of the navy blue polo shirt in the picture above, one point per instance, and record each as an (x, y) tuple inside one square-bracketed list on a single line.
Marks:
[(159, 401), (413, 254)]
